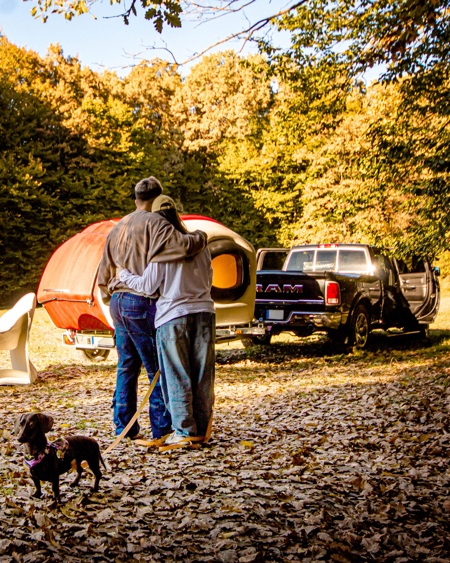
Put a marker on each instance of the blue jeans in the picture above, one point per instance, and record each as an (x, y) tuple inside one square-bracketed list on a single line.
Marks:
[(134, 322), (187, 361)]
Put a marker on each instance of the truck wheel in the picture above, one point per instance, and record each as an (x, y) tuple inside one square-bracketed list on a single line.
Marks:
[(263, 340), (360, 328), (95, 354)]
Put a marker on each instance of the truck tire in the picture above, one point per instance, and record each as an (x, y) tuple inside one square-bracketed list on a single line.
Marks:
[(257, 340), (360, 328), (95, 354)]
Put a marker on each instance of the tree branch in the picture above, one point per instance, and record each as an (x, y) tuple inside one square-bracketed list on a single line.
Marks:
[(246, 34)]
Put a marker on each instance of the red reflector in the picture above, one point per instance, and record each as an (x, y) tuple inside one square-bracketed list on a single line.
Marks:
[(333, 294)]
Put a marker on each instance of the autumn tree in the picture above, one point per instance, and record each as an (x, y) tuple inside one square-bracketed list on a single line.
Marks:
[(341, 200), (72, 148), (38, 167), (407, 143), (222, 108)]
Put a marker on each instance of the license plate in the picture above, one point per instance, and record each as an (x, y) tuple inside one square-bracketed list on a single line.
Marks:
[(85, 340), (275, 314), (103, 341)]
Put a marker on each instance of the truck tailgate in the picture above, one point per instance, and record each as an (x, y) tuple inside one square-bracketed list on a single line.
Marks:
[(289, 290)]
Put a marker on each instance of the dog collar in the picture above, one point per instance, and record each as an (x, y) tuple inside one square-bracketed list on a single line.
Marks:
[(61, 445), (31, 461)]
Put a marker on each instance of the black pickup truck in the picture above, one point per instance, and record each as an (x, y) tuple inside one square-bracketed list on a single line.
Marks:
[(345, 290)]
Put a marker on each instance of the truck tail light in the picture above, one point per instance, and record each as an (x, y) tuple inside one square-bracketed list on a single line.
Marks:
[(332, 293)]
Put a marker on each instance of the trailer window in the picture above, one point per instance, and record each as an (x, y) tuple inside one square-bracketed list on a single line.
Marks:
[(227, 270), (231, 273)]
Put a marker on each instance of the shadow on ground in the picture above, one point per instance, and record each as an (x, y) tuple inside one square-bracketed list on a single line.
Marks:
[(318, 346)]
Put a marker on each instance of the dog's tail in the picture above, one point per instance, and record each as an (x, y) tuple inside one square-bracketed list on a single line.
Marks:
[(104, 464), (85, 464)]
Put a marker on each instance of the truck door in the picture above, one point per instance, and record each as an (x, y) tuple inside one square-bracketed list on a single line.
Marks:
[(395, 309), (419, 286)]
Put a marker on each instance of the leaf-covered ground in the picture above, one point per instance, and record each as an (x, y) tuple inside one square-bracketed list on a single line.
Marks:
[(316, 455)]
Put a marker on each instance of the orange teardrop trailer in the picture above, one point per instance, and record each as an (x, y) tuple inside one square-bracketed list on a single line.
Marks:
[(69, 292)]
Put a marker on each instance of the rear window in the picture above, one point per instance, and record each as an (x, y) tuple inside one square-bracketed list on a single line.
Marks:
[(328, 260), (302, 260), (352, 261)]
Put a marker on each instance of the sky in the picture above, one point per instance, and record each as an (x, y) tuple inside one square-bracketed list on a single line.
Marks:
[(107, 43)]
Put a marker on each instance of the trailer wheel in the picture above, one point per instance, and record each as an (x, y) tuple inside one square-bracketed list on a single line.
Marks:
[(95, 354), (263, 340), (360, 328)]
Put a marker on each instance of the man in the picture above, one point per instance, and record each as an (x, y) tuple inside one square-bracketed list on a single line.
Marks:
[(137, 239)]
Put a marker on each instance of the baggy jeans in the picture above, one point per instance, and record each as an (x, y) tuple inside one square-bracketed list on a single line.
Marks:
[(134, 322), (186, 356)]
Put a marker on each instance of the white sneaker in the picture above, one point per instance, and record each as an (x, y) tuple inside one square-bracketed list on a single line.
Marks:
[(175, 440)]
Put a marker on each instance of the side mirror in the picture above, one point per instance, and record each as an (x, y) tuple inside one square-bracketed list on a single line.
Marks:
[(437, 270)]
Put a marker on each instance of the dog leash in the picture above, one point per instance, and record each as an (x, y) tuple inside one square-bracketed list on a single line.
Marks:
[(140, 409), (136, 414), (132, 421)]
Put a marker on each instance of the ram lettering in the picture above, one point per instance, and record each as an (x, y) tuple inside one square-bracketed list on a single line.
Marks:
[(286, 288)]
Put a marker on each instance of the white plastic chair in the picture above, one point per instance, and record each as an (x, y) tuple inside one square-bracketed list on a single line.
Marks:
[(15, 327)]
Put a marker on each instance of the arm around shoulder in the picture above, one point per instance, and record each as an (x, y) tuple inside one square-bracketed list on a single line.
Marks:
[(148, 283), (179, 245)]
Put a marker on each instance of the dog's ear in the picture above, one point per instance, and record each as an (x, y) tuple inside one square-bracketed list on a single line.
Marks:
[(46, 422), (18, 422)]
